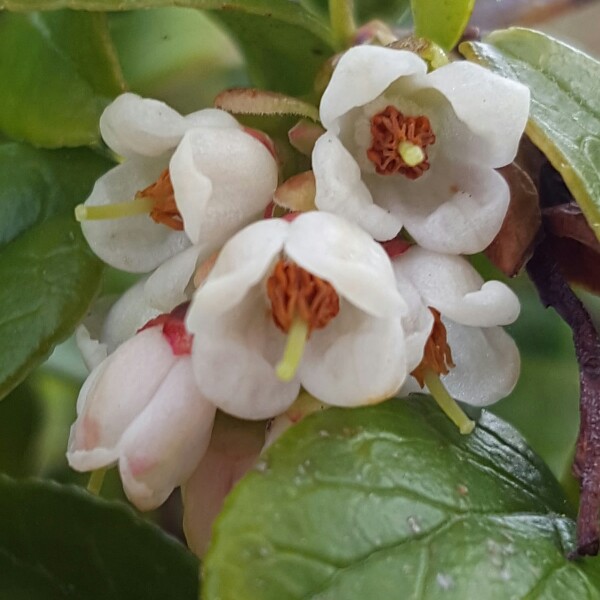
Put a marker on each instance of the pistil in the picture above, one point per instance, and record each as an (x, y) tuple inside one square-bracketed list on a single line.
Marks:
[(411, 154), (294, 350), (453, 411), (118, 210)]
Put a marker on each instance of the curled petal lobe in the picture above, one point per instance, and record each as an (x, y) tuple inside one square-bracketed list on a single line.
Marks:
[(162, 446), (341, 190), (357, 359), (345, 256), (223, 179), (362, 74), (493, 108), (487, 364), (451, 285), (456, 209), (234, 356), (134, 126), (241, 264)]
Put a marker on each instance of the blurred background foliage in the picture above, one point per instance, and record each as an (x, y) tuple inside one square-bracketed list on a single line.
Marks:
[(185, 58)]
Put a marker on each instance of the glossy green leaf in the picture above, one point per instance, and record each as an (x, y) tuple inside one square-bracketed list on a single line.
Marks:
[(441, 21), (284, 43), (58, 72), (565, 113), (61, 543), (49, 277), (392, 502), (366, 10)]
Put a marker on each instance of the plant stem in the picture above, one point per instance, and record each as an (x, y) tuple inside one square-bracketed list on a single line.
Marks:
[(341, 15), (554, 291)]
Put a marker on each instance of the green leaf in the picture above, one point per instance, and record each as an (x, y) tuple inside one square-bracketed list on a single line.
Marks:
[(61, 543), (284, 44), (565, 115), (391, 501), (58, 72), (441, 21), (49, 277), (366, 10)]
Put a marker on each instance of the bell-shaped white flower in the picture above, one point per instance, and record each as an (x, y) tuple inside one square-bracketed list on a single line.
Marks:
[(407, 148), (141, 407), (317, 291), (185, 180), (484, 359)]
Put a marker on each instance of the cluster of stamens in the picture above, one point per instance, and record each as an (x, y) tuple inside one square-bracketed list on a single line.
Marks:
[(296, 293), (164, 209), (399, 143)]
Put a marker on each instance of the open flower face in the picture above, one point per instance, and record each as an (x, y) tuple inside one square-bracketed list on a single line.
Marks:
[(477, 360), (311, 302), (185, 180), (141, 408), (407, 148)]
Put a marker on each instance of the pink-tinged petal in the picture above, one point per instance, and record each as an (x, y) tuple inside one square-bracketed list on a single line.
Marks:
[(241, 264), (490, 113), (347, 257), (234, 448), (223, 179), (454, 208), (451, 285), (234, 358), (163, 445), (362, 74), (135, 126), (356, 359), (114, 395), (487, 364), (341, 190), (135, 244)]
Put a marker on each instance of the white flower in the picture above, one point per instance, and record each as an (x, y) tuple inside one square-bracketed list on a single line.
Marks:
[(185, 180), (233, 450), (486, 358), (278, 284), (141, 407), (407, 148)]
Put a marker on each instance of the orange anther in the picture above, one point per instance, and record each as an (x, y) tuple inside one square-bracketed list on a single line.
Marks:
[(389, 128), (165, 209), (294, 291)]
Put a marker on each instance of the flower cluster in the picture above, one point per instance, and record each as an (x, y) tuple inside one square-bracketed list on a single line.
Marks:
[(365, 297)]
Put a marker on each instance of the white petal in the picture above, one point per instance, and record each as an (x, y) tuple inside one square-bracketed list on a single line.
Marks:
[(355, 360), (487, 364), (494, 110), (346, 256), (234, 356), (417, 322), (169, 285), (135, 126), (340, 190), (223, 179), (135, 244), (164, 444), (211, 117), (454, 208), (120, 388), (451, 285), (233, 450), (241, 264), (128, 314), (362, 74)]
